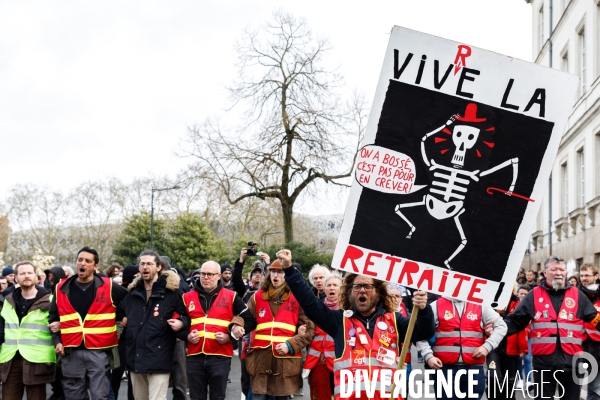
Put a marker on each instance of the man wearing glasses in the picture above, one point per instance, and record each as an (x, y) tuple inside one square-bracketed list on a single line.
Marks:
[(367, 332), (153, 298), (218, 316)]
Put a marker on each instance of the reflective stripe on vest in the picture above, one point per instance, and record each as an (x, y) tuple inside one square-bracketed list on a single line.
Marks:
[(322, 348), (98, 330), (377, 354), (31, 338), (218, 319), (458, 336), (547, 326), (591, 330), (273, 330)]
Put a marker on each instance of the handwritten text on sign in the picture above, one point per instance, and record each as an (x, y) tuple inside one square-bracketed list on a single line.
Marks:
[(386, 170)]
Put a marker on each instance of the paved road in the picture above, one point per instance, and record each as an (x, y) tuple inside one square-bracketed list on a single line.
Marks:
[(234, 388)]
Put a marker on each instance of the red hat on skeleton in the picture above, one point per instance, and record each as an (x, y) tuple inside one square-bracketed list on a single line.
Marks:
[(470, 114)]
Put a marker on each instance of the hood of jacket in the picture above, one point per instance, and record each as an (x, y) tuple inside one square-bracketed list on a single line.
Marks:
[(171, 278), (58, 272), (593, 295)]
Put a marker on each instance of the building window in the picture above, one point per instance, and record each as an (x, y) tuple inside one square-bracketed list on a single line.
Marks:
[(565, 176), (581, 178), (582, 60), (541, 25)]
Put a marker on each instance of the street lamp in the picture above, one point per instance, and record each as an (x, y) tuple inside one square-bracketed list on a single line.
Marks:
[(152, 212), (269, 233)]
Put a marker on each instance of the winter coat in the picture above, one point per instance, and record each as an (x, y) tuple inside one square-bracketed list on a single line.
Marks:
[(150, 341), (33, 373), (272, 375), (525, 313)]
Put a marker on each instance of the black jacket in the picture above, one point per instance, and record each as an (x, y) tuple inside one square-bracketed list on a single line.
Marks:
[(241, 315), (525, 312), (239, 286), (331, 321), (118, 294), (150, 340)]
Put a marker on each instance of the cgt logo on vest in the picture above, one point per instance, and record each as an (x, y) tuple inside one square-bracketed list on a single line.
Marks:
[(472, 316)]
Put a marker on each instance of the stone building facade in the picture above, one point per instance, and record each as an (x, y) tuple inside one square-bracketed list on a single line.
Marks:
[(566, 36)]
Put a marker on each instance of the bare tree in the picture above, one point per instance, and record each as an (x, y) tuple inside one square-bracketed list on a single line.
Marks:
[(296, 130), (40, 220)]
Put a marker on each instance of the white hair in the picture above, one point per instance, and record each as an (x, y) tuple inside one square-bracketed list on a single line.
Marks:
[(68, 270), (314, 270), (332, 275)]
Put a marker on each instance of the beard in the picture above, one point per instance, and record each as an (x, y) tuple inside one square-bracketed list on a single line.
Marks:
[(558, 283), (363, 303)]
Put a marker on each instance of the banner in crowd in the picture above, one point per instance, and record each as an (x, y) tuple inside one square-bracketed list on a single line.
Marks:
[(460, 143)]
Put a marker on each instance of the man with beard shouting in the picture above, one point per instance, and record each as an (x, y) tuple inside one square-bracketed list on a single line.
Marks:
[(367, 332), (557, 312)]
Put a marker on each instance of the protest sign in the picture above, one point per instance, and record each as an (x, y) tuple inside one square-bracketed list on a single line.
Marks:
[(459, 146)]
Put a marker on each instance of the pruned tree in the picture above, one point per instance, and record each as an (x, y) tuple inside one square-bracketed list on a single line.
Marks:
[(296, 130)]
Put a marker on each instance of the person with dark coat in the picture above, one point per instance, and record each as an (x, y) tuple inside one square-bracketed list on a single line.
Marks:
[(179, 372), (129, 274), (364, 304), (557, 312), (151, 329), (54, 275), (218, 317)]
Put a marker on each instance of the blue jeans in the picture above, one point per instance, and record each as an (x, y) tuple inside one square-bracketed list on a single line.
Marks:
[(463, 386), (525, 365), (208, 371)]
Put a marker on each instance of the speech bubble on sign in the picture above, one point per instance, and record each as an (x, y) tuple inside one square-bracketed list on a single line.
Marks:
[(386, 171)]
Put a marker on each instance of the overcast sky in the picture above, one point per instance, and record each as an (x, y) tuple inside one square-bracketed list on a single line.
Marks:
[(108, 88)]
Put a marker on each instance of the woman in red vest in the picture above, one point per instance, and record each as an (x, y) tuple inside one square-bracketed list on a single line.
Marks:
[(321, 353), (274, 357)]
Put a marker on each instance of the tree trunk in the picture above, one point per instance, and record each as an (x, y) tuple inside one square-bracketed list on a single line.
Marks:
[(287, 210)]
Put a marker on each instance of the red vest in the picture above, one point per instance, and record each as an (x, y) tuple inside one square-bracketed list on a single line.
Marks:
[(547, 325), (517, 343), (321, 348), (218, 319), (458, 336), (99, 329), (404, 313), (376, 354), (270, 330), (591, 330)]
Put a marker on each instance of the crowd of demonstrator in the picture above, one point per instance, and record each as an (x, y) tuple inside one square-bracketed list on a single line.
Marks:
[(84, 330)]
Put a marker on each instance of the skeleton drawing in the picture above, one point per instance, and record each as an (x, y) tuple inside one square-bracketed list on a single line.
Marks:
[(445, 198)]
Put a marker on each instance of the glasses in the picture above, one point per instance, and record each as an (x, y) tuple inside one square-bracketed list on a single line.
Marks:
[(147, 264), (587, 276), (276, 272), (208, 274), (367, 288)]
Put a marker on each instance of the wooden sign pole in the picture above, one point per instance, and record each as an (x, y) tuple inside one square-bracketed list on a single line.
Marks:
[(406, 346)]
